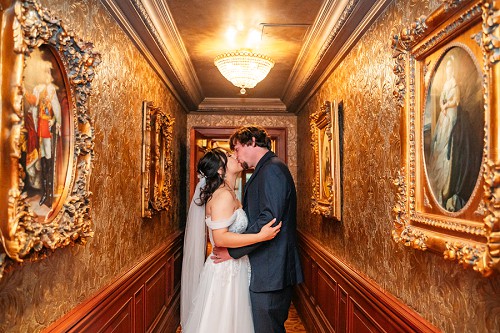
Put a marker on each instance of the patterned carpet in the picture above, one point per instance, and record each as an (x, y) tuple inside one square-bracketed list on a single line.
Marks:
[(292, 325)]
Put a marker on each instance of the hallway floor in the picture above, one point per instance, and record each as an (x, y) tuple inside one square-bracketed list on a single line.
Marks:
[(292, 325)]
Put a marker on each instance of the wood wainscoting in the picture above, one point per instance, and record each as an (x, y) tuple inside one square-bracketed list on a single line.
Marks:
[(144, 299), (335, 298)]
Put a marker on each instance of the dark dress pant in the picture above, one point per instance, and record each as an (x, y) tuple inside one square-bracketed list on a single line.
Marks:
[(270, 310)]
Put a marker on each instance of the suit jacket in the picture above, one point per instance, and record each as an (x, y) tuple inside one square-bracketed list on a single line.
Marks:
[(270, 193)]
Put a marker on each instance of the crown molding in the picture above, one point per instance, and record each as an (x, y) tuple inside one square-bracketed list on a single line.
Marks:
[(354, 36), (330, 18), (340, 24), (242, 105), (151, 27)]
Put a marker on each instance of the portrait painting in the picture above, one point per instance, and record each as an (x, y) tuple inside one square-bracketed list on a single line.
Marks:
[(326, 141), (446, 87), (47, 133), (48, 142), (325, 164), (453, 123)]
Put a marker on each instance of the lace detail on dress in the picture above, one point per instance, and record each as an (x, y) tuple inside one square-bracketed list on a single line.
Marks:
[(237, 223), (223, 289), (240, 223)]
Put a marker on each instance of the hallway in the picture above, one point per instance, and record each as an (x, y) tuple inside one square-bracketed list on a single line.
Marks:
[(129, 96)]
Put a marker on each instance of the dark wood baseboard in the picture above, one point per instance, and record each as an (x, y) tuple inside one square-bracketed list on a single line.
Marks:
[(144, 299), (335, 298)]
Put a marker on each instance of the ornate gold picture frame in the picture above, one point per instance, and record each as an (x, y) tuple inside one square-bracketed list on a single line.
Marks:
[(326, 142), (157, 150), (46, 134), (448, 185)]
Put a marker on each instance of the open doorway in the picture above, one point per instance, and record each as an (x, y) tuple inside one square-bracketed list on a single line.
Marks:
[(203, 138)]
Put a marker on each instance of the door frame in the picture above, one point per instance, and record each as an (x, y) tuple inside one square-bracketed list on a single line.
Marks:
[(278, 134)]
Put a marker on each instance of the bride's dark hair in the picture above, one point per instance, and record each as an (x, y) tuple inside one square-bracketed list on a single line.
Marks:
[(208, 167)]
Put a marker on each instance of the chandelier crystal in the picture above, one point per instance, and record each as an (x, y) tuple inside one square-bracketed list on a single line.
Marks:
[(244, 68)]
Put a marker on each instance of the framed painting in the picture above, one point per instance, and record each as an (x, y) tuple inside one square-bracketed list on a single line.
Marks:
[(448, 190), (326, 142), (157, 150), (47, 139)]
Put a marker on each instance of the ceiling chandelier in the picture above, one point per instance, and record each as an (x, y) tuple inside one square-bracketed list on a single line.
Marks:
[(244, 68)]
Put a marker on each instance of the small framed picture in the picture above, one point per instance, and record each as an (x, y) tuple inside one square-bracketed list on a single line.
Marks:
[(326, 142), (157, 150)]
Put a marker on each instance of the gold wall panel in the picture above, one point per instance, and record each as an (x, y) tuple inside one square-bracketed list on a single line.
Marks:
[(34, 295), (450, 297)]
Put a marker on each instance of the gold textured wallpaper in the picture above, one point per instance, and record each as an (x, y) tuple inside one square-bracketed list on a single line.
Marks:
[(451, 298), (36, 294)]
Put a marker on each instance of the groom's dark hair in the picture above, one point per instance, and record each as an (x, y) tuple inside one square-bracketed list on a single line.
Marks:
[(245, 134)]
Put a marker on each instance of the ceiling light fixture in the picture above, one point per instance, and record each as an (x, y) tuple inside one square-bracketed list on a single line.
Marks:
[(244, 68)]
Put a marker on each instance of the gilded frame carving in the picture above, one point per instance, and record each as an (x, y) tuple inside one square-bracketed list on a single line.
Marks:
[(156, 160), (432, 212), (326, 142), (31, 32)]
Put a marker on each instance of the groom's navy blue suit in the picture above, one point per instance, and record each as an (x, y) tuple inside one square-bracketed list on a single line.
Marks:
[(270, 193)]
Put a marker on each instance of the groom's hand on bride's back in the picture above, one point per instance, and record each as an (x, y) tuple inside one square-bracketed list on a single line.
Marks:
[(220, 254)]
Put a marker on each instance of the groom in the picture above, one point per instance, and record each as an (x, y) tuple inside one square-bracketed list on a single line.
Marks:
[(269, 193)]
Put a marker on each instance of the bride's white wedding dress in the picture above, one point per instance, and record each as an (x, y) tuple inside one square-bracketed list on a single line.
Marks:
[(222, 300)]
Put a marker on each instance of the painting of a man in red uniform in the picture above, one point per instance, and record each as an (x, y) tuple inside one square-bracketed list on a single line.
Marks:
[(47, 132)]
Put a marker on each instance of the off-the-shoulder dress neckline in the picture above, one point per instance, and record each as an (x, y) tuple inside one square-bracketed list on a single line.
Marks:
[(230, 217)]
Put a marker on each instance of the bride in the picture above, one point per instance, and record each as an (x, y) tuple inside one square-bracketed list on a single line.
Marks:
[(217, 299)]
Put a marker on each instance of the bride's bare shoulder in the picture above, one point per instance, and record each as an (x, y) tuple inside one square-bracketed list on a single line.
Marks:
[(221, 196), (221, 205)]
